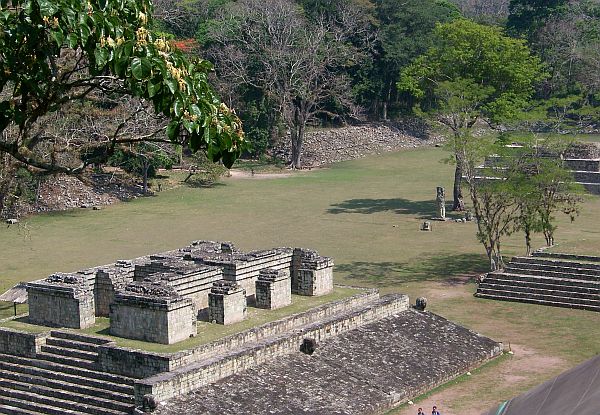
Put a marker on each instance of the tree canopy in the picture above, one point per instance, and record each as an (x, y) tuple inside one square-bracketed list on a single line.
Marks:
[(53, 52), (471, 73)]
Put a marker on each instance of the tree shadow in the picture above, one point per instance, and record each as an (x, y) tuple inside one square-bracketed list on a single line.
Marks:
[(422, 208), (442, 268)]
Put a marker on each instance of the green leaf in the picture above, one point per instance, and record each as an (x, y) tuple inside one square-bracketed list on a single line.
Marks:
[(172, 84), (195, 142), (58, 37), (173, 130), (73, 40), (178, 107), (153, 88), (141, 68), (101, 55)]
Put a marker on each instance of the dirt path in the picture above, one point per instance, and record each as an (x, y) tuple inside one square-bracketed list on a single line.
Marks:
[(241, 174)]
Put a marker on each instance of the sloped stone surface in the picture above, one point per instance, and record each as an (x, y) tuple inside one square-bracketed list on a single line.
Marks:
[(360, 372)]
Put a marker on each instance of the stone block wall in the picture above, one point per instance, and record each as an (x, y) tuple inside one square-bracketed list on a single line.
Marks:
[(141, 364), (109, 280), (273, 289), (21, 343), (61, 300), (179, 270), (153, 313), (312, 274), (185, 379), (226, 303)]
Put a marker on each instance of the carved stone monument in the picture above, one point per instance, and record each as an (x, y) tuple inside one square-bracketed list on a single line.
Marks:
[(441, 203)]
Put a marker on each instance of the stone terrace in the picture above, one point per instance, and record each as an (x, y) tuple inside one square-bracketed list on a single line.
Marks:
[(364, 371), (560, 280)]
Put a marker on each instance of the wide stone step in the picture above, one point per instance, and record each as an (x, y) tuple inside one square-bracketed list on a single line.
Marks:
[(72, 344), (68, 361), (14, 410), (83, 338), (110, 387), (24, 407), (50, 366), (516, 269), (52, 405), (76, 353), (507, 297), (556, 263), (509, 291), (68, 386), (526, 289), (570, 257), (69, 396), (543, 282)]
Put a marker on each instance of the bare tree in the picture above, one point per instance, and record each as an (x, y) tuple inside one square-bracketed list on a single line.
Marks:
[(296, 63)]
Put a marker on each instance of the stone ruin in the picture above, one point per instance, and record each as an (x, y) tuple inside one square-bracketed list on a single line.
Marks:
[(273, 289), (159, 297), (226, 303)]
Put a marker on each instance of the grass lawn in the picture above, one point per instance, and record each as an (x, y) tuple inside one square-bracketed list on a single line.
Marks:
[(366, 215)]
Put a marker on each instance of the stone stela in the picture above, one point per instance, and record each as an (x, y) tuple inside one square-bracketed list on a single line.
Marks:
[(158, 298)]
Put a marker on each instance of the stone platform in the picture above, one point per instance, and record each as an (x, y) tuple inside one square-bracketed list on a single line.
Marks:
[(363, 371), (554, 279)]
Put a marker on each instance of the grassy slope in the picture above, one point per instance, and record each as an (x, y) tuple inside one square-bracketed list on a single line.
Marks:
[(365, 214)]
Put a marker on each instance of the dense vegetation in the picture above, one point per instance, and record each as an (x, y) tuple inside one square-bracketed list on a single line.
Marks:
[(80, 85)]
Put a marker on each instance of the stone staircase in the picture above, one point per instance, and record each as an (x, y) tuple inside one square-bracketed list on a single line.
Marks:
[(63, 379), (558, 280), (586, 172)]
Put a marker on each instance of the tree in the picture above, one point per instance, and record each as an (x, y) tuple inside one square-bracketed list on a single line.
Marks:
[(57, 52), (472, 73), (293, 64), (520, 189), (405, 32), (527, 16), (143, 159)]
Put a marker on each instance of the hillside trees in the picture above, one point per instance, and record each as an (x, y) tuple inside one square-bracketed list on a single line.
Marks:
[(289, 63), (57, 53), (472, 73), (405, 31)]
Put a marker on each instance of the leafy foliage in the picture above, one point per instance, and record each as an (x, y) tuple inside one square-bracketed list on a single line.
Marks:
[(56, 51)]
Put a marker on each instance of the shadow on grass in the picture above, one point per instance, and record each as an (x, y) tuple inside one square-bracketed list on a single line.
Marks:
[(423, 208), (450, 269)]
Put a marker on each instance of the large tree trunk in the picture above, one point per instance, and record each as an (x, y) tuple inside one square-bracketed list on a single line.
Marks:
[(298, 127), (458, 205), (146, 167)]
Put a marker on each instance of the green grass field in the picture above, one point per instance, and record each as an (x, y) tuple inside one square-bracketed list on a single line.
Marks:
[(366, 215)]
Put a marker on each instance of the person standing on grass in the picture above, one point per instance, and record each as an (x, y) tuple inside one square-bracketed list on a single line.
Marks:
[(434, 411)]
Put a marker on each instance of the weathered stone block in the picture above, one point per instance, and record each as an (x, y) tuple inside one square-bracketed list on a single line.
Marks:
[(152, 312), (61, 300), (226, 303), (312, 274), (273, 289)]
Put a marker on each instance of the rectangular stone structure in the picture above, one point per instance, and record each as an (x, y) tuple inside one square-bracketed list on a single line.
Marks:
[(191, 279), (226, 303), (152, 312), (312, 274), (62, 300), (273, 289), (109, 280)]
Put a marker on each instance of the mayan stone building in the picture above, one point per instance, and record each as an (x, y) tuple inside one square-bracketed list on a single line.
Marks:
[(227, 303), (150, 298), (152, 312), (273, 289), (62, 300)]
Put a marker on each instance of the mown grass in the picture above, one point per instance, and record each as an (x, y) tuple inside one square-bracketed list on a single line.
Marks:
[(366, 215)]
